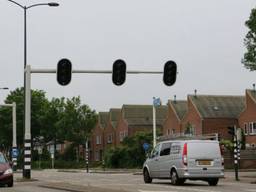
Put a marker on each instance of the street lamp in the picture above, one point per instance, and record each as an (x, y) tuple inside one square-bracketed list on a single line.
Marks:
[(27, 142)]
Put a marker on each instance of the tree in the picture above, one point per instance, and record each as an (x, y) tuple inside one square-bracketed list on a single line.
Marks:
[(38, 104), (123, 156), (249, 59), (76, 122)]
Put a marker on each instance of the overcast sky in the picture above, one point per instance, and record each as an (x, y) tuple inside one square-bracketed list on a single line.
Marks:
[(204, 37)]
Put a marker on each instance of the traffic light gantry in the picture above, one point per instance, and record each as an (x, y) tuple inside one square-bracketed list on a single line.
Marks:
[(64, 72)]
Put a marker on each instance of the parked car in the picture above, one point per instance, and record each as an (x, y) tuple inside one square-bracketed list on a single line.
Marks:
[(6, 173), (185, 159)]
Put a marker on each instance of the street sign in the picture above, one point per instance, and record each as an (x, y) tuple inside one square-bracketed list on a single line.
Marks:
[(145, 146), (15, 152), (52, 149), (40, 151), (156, 101)]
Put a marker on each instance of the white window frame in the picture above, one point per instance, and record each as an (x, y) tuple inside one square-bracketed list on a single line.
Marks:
[(254, 128), (251, 128), (168, 131), (98, 139)]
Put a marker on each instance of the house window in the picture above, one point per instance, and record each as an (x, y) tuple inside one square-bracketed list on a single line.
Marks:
[(98, 139), (252, 128), (246, 129), (190, 130), (110, 138), (168, 131), (173, 131)]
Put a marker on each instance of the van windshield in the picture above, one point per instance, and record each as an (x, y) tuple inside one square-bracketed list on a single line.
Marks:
[(203, 150), (2, 158)]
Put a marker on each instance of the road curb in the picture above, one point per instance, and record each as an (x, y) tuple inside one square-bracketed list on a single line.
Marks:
[(75, 188)]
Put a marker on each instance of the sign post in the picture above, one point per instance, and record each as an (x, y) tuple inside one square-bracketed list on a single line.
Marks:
[(52, 156), (156, 102), (235, 154)]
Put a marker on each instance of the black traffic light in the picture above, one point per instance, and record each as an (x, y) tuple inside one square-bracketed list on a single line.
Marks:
[(119, 72), (64, 72), (231, 130), (170, 72)]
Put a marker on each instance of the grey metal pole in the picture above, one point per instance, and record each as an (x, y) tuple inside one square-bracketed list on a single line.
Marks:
[(154, 126), (86, 155), (14, 135), (235, 155), (25, 173), (27, 151)]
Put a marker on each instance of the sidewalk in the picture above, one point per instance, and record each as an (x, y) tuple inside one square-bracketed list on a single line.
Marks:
[(245, 176)]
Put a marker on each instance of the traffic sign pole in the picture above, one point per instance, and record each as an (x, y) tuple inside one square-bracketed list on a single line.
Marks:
[(235, 155)]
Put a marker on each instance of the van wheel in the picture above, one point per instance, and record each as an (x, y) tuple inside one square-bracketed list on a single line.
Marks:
[(146, 176), (213, 182), (175, 178)]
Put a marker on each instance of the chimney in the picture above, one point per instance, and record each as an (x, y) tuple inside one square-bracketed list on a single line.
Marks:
[(195, 92)]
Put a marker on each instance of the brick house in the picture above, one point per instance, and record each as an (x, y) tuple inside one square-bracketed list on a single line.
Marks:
[(110, 129), (208, 114), (173, 123), (97, 138), (136, 118), (247, 119)]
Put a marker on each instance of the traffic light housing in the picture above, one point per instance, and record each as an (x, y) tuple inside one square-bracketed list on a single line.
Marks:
[(231, 130), (170, 72), (119, 72), (64, 72)]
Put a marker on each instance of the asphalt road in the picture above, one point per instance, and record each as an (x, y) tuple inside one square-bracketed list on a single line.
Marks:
[(50, 180)]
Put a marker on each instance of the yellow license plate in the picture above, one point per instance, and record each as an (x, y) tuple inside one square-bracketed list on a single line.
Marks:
[(204, 162)]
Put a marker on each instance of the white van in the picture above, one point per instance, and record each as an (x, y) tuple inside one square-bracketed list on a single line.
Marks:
[(179, 160)]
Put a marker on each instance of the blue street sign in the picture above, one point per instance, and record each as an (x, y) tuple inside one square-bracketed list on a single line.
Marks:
[(156, 101), (15, 152), (145, 146)]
